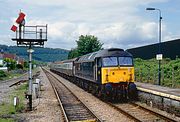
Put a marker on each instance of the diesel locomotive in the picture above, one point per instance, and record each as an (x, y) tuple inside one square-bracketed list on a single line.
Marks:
[(108, 73)]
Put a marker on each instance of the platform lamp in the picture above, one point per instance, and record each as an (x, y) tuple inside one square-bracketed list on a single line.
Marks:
[(159, 55)]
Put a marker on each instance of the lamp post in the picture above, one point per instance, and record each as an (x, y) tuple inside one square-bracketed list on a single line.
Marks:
[(159, 45)]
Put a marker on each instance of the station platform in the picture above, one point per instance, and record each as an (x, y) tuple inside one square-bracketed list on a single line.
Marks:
[(166, 92)]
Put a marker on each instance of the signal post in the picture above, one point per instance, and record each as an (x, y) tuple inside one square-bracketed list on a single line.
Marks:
[(29, 36)]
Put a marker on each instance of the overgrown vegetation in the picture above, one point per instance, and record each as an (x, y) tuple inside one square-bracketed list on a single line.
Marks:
[(11, 64), (85, 44), (2, 74), (15, 70), (7, 108), (147, 71)]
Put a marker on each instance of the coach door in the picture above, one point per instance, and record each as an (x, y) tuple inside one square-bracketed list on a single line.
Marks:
[(98, 71)]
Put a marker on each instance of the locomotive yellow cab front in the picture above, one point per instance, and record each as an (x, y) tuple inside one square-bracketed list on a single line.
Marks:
[(117, 74), (117, 70)]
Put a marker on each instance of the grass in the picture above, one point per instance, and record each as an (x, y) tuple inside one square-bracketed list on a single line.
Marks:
[(6, 120), (147, 71), (19, 92), (7, 108), (10, 76)]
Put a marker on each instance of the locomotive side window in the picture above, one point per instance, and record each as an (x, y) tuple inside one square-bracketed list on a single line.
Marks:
[(110, 61), (99, 62), (125, 61)]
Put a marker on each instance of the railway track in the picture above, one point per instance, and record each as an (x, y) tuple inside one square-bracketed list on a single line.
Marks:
[(72, 108), (139, 113)]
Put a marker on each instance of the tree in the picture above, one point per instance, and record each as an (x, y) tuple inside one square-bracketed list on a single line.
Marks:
[(26, 65), (85, 44), (10, 63), (73, 53), (19, 66)]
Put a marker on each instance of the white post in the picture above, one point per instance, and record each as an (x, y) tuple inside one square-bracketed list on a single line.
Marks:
[(30, 51)]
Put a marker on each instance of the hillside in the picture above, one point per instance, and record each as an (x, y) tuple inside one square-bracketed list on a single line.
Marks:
[(40, 54)]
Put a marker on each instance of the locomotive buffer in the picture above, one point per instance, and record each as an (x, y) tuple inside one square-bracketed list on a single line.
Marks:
[(29, 36)]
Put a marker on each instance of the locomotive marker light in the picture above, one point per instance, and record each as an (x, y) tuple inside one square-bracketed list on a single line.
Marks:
[(159, 55), (29, 36)]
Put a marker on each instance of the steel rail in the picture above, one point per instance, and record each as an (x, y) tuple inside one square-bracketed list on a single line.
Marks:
[(124, 112), (60, 103), (135, 118), (97, 119), (142, 108), (153, 112)]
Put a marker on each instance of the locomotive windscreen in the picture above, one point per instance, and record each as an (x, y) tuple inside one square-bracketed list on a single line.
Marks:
[(110, 61), (115, 61), (125, 61)]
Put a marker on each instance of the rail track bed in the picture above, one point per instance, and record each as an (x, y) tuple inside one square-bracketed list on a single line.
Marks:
[(73, 109), (140, 114)]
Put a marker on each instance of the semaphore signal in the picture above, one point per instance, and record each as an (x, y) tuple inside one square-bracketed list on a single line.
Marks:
[(29, 36), (19, 21)]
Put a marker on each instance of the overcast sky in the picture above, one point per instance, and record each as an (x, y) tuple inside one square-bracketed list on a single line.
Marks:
[(116, 23)]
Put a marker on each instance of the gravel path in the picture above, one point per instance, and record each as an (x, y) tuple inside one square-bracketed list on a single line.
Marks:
[(101, 109), (47, 106)]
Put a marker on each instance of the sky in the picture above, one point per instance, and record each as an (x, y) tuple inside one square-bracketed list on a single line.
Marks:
[(117, 23)]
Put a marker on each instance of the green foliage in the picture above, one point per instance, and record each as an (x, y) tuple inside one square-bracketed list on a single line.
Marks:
[(26, 64), (20, 93), (10, 63), (73, 53), (6, 120), (147, 71), (85, 44), (2, 74), (7, 108), (19, 66)]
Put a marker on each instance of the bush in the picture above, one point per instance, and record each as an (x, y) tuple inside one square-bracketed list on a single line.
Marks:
[(2, 74), (147, 71), (19, 66)]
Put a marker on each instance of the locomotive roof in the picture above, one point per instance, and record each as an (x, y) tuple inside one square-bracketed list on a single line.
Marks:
[(103, 53)]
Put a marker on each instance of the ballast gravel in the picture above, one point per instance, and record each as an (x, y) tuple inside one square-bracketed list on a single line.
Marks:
[(47, 108), (101, 109)]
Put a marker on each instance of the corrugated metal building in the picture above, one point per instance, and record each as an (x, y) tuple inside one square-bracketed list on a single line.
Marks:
[(169, 49)]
